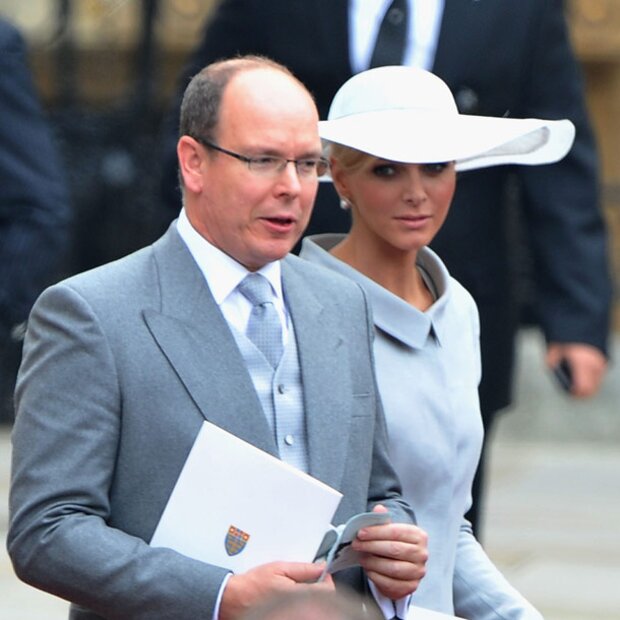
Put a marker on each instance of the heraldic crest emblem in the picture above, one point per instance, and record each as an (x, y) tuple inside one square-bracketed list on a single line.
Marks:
[(236, 540)]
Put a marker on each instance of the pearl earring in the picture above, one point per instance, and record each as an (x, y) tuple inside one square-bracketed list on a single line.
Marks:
[(345, 204)]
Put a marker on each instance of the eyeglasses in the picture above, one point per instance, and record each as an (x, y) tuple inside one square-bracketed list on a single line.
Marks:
[(268, 165)]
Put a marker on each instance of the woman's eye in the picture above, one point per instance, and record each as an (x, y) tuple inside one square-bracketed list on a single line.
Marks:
[(437, 168), (384, 170)]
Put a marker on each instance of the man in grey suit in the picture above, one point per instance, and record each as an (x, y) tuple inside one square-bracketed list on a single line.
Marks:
[(122, 365)]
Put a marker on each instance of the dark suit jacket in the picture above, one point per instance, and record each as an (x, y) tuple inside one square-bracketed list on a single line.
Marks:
[(121, 366), (34, 207), (498, 57)]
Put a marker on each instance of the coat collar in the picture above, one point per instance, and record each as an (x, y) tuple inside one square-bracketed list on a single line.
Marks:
[(391, 314), (195, 338)]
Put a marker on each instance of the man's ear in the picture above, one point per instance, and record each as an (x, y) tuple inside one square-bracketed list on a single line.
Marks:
[(191, 163)]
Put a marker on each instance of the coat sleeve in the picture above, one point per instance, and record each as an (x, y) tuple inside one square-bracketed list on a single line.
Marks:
[(65, 444), (563, 219), (480, 591)]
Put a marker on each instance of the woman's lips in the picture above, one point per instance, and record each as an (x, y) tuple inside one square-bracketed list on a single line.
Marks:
[(413, 221)]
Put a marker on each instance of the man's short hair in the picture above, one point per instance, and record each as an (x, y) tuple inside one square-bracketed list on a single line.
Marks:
[(200, 107)]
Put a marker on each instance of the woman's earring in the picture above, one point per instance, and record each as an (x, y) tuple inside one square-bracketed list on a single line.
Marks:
[(345, 204)]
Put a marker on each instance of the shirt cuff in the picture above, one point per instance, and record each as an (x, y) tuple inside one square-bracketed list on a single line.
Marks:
[(218, 601), (390, 608)]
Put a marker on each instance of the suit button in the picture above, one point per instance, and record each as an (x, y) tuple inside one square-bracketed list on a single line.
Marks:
[(395, 16), (467, 100), (281, 388), (289, 440)]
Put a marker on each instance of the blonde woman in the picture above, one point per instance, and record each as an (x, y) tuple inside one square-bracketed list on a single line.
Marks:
[(395, 143)]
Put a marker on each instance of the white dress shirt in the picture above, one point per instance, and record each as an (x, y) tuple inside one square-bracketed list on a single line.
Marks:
[(223, 274), (365, 18)]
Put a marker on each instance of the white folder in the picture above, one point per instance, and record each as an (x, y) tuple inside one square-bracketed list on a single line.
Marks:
[(276, 511)]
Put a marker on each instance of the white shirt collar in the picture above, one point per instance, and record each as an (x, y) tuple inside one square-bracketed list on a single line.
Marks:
[(222, 272)]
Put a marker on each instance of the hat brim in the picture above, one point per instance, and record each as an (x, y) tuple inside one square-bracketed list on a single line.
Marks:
[(417, 137)]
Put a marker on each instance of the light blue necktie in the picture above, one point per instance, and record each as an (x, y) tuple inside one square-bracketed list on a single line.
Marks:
[(264, 327)]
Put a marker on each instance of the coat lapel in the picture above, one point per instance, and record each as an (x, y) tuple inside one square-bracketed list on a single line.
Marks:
[(334, 25), (196, 340), (322, 354), (454, 44)]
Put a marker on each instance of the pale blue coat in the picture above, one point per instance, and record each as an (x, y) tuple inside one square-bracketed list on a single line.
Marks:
[(428, 370)]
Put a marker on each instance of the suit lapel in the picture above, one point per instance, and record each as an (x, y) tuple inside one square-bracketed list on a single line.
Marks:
[(196, 340), (335, 26), (321, 352), (329, 29), (454, 45)]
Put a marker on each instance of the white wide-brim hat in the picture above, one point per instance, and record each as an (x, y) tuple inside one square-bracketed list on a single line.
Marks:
[(409, 115)]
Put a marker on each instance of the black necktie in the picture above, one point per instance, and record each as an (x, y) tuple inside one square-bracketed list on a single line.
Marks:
[(392, 36)]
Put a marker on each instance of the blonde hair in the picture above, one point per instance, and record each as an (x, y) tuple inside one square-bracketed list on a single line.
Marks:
[(350, 159)]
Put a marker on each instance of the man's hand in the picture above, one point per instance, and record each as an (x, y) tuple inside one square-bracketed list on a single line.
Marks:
[(245, 590), (587, 364), (394, 557)]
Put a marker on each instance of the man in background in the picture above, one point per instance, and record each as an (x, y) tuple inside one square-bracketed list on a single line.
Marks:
[(500, 58), (34, 205)]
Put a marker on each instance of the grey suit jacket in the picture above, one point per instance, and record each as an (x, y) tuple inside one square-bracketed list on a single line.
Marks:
[(121, 366)]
